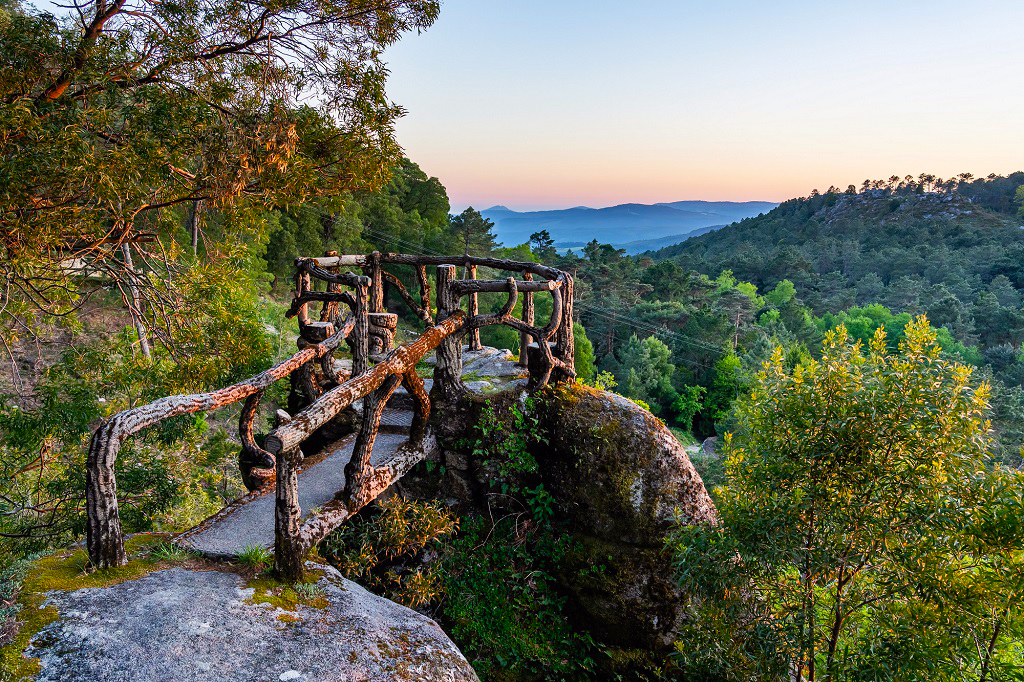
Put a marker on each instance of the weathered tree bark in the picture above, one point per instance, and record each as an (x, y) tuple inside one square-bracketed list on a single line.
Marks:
[(474, 310), (103, 535), (256, 464), (358, 468), (448, 370), (329, 312), (376, 298), (404, 259), (422, 312), (526, 339), (565, 349), (502, 316), (289, 556), (193, 224), (399, 361), (554, 353), (336, 512), (359, 340), (471, 287), (382, 326), (421, 274), (421, 406)]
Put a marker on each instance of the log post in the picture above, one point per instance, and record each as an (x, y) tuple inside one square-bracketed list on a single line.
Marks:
[(358, 469), (256, 464), (376, 296), (565, 348), (288, 551), (359, 340), (448, 370), (329, 312), (421, 274), (103, 535), (525, 339), (474, 310)]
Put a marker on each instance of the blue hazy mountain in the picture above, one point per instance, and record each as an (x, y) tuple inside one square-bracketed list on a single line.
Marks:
[(622, 224)]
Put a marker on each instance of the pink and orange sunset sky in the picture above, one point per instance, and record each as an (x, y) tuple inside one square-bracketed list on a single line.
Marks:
[(549, 104)]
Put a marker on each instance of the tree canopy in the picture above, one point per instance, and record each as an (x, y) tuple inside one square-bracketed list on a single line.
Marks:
[(861, 530), (118, 118)]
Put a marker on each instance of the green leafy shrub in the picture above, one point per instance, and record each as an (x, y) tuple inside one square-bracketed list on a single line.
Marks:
[(503, 607), (501, 440), (384, 549), (861, 532)]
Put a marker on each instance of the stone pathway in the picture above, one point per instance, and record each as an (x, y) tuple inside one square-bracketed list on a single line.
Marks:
[(250, 520)]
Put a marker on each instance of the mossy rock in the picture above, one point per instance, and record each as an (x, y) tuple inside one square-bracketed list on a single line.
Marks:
[(66, 570), (616, 469), (622, 480), (623, 594)]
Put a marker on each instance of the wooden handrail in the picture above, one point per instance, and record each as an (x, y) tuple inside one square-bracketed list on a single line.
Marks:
[(104, 536)]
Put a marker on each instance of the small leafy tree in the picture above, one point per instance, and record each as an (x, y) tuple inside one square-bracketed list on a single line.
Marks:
[(860, 530)]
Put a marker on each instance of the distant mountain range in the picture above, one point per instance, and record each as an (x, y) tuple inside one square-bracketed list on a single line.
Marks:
[(636, 227)]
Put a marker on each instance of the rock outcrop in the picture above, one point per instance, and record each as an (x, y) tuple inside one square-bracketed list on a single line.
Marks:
[(182, 624), (622, 479)]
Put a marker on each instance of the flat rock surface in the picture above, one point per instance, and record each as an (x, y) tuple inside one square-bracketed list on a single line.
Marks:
[(252, 522), (175, 625)]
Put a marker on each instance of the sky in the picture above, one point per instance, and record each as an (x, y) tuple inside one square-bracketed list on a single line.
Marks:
[(550, 104)]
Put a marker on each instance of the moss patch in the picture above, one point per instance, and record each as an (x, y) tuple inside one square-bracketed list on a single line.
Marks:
[(67, 571), (282, 595)]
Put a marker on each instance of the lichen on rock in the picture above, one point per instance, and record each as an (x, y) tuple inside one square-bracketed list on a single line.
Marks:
[(180, 623)]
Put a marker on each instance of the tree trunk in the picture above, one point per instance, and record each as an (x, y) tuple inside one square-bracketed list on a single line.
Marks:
[(136, 303), (193, 224)]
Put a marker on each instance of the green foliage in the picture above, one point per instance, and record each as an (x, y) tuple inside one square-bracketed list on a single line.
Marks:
[(384, 550), (171, 476), (861, 532), (503, 439), (473, 233), (168, 551), (687, 404), (121, 121), (783, 293), (255, 557), (645, 372), (503, 605), (726, 386), (584, 353), (409, 215)]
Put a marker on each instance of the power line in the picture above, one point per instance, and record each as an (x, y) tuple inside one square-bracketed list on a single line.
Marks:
[(606, 314)]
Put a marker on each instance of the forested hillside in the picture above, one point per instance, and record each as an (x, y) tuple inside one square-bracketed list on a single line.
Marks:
[(706, 313)]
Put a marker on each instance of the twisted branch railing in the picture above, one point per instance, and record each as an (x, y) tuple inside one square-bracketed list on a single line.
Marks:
[(369, 329)]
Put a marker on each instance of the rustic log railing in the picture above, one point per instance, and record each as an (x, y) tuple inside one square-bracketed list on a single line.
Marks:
[(320, 393)]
